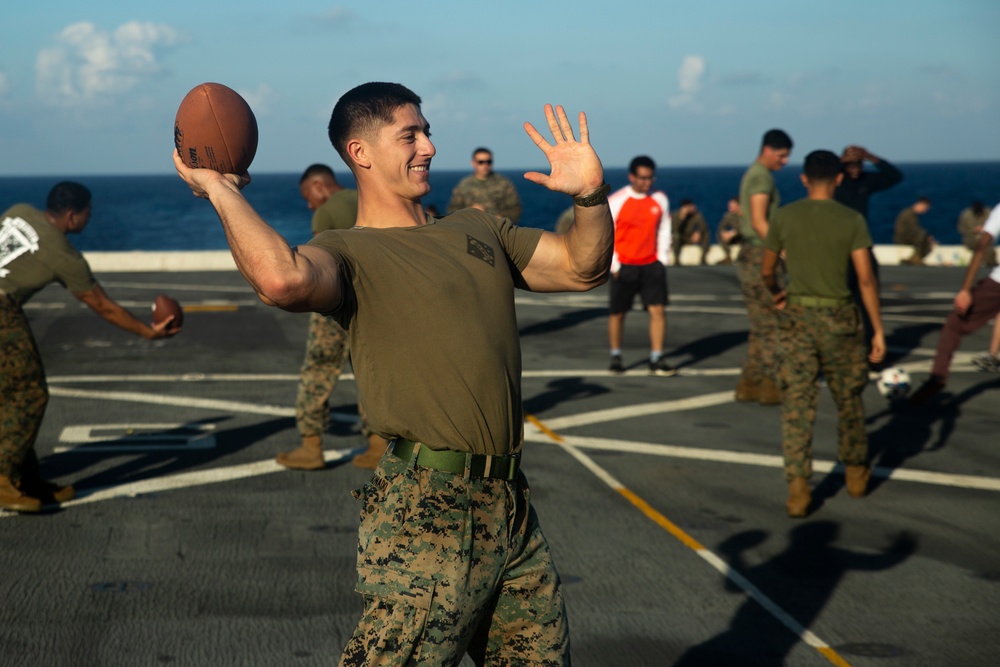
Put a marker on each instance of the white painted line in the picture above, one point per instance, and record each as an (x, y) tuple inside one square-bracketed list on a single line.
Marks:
[(183, 401), (189, 479), (184, 377), (531, 434), (642, 410), (127, 438)]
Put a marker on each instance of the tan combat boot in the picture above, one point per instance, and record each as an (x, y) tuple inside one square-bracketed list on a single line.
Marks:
[(799, 498), (12, 498), (370, 457), (857, 480), (746, 390), (307, 456), (48, 492)]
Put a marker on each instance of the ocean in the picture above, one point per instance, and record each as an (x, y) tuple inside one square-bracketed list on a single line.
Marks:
[(159, 212)]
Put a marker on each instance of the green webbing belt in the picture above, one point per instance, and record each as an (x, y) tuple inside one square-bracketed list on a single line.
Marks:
[(817, 301), (480, 465)]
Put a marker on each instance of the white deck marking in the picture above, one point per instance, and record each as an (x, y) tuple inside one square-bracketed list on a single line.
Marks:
[(532, 434), (188, 479), (641, 410)]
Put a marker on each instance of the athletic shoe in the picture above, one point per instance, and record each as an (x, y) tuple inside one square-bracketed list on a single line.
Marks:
[(662, 368), (932, 386), (616, 364), (987, 362)]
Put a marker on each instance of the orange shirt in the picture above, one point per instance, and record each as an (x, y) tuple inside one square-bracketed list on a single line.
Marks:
[(642, 227)]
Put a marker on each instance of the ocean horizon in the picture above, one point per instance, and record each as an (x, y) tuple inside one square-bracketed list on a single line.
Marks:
[(157, 212)]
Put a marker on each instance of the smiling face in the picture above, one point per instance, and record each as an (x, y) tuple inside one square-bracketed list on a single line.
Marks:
[(401, 155), (774, 158)]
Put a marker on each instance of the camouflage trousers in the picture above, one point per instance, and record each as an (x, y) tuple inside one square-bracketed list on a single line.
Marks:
[(828, 340), (764, 353), (326, 352), (24, 392), (449, 564)]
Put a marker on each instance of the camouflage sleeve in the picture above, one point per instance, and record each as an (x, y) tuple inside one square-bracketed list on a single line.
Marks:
[(459, 198), (510, 204)]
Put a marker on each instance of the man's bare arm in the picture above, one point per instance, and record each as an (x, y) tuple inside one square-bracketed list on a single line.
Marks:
[(758, 213), (767, 273), (298, 279), (109, 310), (578, 260), (868, 285)]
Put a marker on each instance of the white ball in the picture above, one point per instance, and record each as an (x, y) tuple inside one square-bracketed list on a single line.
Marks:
[(893, 383)]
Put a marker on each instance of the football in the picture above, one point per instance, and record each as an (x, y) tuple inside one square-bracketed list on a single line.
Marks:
[(893, 383), (215, 129), (164, 307)]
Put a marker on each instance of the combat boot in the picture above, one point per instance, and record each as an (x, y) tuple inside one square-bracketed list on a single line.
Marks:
[(799, 498), (857, 480), (370, 457), (48, 492), (307, 456), (746, 390), (12, 498), (768, 392)]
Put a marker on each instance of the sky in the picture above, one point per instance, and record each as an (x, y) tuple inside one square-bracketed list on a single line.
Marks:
[(90, 88)]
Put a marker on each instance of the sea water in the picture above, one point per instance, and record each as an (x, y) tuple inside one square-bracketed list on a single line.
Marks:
[(158, 212)]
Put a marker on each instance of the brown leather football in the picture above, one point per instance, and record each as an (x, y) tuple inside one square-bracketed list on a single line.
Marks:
[(164, 307), (215, 129)]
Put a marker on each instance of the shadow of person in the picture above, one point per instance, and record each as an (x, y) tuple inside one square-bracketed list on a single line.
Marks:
[(901, 342), (154, 464), (797, 581), (560, 391), (564, 321), (908, 432), (709, 346)]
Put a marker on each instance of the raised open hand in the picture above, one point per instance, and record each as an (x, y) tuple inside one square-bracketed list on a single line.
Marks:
[(575, 168)]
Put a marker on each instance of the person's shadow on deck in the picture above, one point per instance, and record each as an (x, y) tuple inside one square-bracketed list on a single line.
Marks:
[(799, 581), (560, 391)]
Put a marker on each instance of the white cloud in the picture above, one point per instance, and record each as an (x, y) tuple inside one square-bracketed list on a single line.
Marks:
[(261, 99), (689, 78), (88, 64)]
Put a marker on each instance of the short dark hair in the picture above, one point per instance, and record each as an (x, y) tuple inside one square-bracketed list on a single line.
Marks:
[(641, 161), (67, 196), (821, 165), (481, 149), (978, 208), (366, 109), (923, 199), (317, 169), (776, 139), (685, 202)]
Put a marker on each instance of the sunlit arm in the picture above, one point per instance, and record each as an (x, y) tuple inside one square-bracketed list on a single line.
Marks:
[(578, 260)]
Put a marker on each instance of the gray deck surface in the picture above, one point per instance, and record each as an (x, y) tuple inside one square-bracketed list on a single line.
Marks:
[(189, 546)]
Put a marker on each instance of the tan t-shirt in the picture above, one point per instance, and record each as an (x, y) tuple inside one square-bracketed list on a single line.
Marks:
[(33, 253), (758, 179), (434, 340)]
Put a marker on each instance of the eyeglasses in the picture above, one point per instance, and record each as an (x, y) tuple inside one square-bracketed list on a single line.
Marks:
[(484, 161)]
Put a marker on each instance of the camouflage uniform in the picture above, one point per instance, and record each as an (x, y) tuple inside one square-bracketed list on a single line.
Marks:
[(449, 564), (830, 338), (326, 351), (23, 389), (495, 193), (763, 355)]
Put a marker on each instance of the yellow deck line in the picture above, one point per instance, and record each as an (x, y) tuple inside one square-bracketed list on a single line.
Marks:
[(807, 636)]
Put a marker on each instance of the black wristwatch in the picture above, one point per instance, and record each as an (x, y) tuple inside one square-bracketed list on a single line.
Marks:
[(599, 196)]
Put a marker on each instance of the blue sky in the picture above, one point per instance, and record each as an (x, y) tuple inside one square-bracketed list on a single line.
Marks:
[(92, 88)]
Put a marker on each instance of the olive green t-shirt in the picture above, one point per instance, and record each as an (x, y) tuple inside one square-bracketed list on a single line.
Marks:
[(758, 179), (818, 237), (434, 340), (33, 253), (339, 211)]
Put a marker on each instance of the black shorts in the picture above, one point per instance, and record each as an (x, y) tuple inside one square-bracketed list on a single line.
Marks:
[(647, 280)]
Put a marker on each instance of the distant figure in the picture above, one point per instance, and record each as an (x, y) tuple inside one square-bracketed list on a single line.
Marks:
[(689, 228), (975, 305), (35, 252), (910, 232), (728, 233), (564, 221), (970, 223), (639, 263), (333, 207), (854, 191), (486, 190), (820, 336), (759, 199), (858, 184)]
